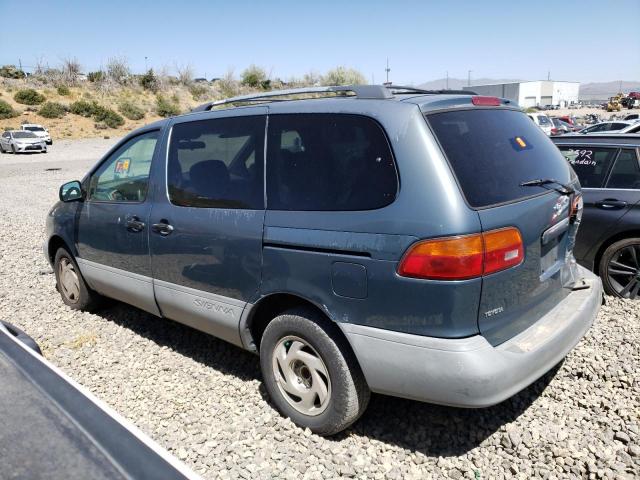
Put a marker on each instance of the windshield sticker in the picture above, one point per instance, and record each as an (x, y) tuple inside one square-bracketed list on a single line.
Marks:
[(520, 143), (122, 166), (580, 157)]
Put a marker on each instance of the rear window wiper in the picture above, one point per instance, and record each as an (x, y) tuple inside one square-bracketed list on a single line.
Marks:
[(541, 182)]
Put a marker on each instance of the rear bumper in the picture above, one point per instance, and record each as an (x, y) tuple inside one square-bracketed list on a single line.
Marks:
[(470, 372)]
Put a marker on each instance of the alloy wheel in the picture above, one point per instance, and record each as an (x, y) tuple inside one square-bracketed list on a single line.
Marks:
[(623, 271), (301, 375)]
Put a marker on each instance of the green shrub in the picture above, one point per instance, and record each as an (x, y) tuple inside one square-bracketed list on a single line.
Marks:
[(131, 111), (149, 81), (63, 90), (254, 76), (83, 108), (166, 108), (28, 96), (94, 77), (107, 116), (11, 71), (6, 111), (198, 91), (52, 110)]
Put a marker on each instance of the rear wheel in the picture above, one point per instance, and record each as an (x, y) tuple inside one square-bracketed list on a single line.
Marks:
[(620, 268), (310, 372), (73, 289)]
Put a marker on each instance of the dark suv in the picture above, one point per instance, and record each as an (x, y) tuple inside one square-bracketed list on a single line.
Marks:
[(389, 240), (609, 239)]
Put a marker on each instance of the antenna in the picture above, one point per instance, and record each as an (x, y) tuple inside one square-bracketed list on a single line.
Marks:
[(387, 70)]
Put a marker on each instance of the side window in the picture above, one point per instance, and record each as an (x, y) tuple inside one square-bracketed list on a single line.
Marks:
[(591, 164), (217, 163), (124, 176), (321, 162), (626, 172)]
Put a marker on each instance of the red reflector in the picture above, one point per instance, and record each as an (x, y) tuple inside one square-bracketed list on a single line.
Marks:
[(463, 257), (485, 101)]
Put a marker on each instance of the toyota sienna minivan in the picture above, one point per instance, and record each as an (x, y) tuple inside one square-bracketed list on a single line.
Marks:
[(367, 239)]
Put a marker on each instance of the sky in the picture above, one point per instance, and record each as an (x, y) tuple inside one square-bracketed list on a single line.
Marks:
[(586, 41)]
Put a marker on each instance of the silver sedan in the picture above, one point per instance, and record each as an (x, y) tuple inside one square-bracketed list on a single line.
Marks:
[(21, 141)]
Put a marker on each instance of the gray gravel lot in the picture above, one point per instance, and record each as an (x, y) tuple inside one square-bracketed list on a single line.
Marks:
[(203, 399)]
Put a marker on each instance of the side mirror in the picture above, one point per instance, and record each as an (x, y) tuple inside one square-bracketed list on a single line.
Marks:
[(71, 192)]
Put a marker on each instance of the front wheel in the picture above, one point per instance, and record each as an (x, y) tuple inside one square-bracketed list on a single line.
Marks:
[(310, 372), (620, 268), (73, 289)]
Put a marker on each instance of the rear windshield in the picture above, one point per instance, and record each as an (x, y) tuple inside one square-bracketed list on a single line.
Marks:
[(34, 129), (492, 151)]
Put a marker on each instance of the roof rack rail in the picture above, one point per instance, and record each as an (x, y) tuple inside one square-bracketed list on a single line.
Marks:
[(402, 90), (360, 91)]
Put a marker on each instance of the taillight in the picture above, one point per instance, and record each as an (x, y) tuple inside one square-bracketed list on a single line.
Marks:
[(577, 204), (463, 257), (485, 101), (502, 249), (554, 131)]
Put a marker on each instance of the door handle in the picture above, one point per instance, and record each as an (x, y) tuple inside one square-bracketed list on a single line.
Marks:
[(611, 204), (163, 228), (134, 224)]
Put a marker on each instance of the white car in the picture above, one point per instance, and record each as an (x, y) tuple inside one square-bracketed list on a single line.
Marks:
[(543, 121), (39, 131), (21, 141), (616, 126)]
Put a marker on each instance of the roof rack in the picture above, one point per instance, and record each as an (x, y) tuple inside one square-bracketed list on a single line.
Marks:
[(402, 90), (360, 91), (378, 92)]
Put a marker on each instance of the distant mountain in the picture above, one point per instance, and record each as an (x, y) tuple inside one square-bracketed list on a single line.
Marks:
[(588, 91), (604, 90)]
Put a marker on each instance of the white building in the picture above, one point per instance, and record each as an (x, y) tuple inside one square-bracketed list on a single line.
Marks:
[(532, 94)]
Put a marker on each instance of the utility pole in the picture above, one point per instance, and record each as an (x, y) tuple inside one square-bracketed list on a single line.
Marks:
[(469, 77), (387, 70), (447, 79)]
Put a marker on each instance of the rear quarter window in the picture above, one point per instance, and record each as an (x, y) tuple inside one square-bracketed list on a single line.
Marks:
[(492, 151)]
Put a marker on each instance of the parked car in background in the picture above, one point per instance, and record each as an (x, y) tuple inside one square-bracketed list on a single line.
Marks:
[(632, 117), (308, 252), (570, 119), (608, 240), (39, 131), (563, 127), (55, 429), (604, 127), (543, 121), (21, 141)]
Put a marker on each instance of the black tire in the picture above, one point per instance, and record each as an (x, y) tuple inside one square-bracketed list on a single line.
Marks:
[(348, 391), (1, 148), (621, 278), (13, 149), (84, 299)]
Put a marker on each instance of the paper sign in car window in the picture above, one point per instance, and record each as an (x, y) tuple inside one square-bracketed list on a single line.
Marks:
[(122, 166), (520, 143), (583, 157)]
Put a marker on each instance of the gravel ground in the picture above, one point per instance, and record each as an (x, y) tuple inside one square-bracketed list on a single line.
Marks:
[(203, 399)]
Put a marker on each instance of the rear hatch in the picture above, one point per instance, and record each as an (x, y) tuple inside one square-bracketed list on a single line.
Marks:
[(492, 151)]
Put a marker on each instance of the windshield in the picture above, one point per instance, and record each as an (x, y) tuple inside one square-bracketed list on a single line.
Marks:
[(23, 135), (34, 129), (493, 151)]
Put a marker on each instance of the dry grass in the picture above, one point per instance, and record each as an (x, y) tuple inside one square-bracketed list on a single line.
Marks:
[(74, 126)]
